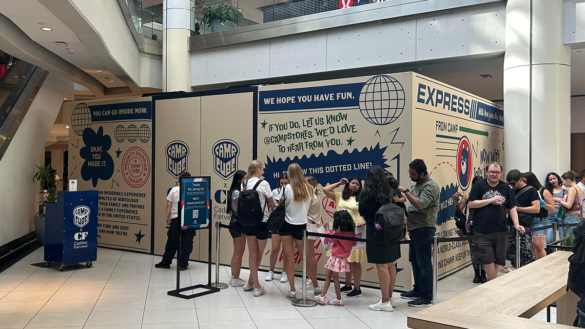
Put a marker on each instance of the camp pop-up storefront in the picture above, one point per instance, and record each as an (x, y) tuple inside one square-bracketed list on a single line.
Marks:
[(133, 152)]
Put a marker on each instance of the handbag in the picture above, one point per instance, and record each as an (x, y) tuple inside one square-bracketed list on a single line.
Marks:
[(276, 218), (461, 221)]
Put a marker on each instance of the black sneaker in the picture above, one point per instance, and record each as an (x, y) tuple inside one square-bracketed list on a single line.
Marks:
[(483, 277), (421, 302), (182, 268), (354, 293), (346, 288), (162, 265), (410, 295)]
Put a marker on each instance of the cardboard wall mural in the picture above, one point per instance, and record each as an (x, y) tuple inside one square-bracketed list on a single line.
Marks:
[(333, 129), (110, 146)]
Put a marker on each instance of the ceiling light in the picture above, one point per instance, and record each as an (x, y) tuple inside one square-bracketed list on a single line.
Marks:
[(111, 80), (67, 127), (485, 76), (61, 44), (98, 71), (46, 29)]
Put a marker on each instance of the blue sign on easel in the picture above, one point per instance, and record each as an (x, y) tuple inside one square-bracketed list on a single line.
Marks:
[(196, 202), (195, 214)]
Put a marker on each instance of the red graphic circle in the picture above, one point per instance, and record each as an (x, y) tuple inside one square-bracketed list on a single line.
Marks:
[(135, 167), (328, 206)]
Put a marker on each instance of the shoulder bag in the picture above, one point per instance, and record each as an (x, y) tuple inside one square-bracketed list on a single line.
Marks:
[(277, 217), (524, 219)]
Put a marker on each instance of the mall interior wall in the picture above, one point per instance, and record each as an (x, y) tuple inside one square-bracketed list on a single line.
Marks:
[(19, 198)]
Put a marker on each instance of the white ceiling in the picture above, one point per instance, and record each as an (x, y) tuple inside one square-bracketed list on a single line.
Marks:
[(30, 16)]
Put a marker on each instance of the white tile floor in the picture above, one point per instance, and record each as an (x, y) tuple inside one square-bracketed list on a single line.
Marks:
[(123, 290)]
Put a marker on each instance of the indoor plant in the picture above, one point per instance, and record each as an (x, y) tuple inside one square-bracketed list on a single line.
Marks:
[(40, 217), (44, 175), (216, 16)]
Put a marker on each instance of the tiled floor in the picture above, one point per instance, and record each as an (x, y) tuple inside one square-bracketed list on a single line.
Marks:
[(123, 290)]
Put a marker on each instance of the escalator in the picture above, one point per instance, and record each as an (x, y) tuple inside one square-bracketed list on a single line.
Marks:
[(18, 88)]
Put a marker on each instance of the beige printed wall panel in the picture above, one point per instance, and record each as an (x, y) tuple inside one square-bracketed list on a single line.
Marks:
[(110, 150), (458, 135)]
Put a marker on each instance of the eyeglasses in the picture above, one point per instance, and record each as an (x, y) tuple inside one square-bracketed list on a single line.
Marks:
[(512, 183), (494, 172)]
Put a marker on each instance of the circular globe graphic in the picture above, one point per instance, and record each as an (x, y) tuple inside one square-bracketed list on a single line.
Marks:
[(80, 118), (382, 100), (144, 133), (120, 133), (132, 133)]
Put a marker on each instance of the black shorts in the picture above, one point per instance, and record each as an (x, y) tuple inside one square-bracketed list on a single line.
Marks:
[(260, 231), (295, 230), (491, 250), (236, 229)]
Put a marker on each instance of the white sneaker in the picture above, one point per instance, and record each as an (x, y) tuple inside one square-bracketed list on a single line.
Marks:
[(506, 269), (259, 292), (291, 295), (248, 287), (283, 278), (269, 276), (318, 290), (237, 282), (391, 302), (384, 307)]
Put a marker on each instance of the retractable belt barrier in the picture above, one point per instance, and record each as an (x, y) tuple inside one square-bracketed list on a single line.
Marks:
[(304, 302)]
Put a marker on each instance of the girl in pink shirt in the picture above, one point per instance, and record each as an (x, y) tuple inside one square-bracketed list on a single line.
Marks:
[(343, 225)]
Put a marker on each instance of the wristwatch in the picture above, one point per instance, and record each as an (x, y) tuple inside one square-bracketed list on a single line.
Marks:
[(406, 191)]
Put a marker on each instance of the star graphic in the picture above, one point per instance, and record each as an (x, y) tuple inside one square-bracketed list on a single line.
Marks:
[(350, 140), (264, 123), (118, 153), (139, 236)]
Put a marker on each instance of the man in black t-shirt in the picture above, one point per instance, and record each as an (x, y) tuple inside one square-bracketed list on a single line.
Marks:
[(528, 206), (490, 198)]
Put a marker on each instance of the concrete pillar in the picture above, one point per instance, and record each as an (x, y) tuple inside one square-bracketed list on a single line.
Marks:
[(537, 71), (176, 59)]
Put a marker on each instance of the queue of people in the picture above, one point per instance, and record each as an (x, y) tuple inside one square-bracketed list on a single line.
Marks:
[(492, 206), (518, 204)]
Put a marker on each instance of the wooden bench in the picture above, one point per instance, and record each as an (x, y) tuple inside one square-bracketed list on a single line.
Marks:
[(508, 301)]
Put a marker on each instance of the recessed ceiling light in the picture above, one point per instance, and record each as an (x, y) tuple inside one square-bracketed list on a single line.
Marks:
[(61, 44), (111, 80), (98, 71), (46, 29), (67, 127), (485, 76)]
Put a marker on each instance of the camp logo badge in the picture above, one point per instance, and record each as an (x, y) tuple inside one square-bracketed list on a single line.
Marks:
[(81, 216), (177, 153), (464, 165), (225, 157)]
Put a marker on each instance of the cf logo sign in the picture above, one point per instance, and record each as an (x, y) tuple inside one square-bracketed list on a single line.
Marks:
[(80, 235)]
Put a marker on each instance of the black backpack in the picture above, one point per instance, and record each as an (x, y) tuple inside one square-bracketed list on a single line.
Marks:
[(277, 217), (576, 279), (250, 212), (390, 224)]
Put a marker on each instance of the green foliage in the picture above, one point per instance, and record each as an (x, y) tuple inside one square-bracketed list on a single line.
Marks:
[(221, 13), (49, 198), (43, 174)]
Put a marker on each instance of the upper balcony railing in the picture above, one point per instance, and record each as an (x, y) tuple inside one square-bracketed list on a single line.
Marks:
[(209, 16)]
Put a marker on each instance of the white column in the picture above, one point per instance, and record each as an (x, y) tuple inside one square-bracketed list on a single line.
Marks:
[(537, 133), (176, 32)]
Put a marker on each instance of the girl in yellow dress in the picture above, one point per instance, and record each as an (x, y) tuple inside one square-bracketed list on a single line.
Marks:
[(347, 200)]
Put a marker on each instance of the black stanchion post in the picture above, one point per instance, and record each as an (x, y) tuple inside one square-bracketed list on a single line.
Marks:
[(435, 267), (517, 249), (303, 301), (218, 284)]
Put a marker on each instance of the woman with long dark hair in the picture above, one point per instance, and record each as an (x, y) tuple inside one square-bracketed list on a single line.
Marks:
[(236, 229), (540, 238), (347, 200), (376, 193), (553, 184)]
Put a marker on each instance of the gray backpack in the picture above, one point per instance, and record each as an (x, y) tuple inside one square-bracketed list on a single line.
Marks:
[(389, 223)]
